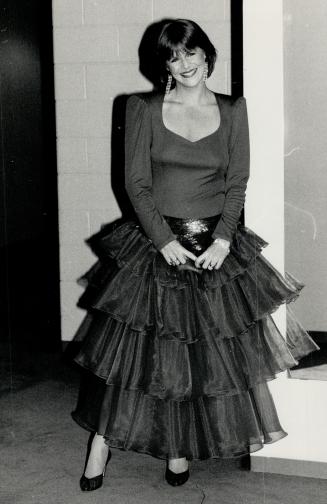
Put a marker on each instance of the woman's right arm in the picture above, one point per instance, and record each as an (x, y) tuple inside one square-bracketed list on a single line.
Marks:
[(138, 171), (138, 182)]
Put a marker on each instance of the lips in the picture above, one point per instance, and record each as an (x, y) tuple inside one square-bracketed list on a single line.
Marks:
[(189, 73)]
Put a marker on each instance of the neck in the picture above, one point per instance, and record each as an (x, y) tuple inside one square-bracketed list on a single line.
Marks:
[(192, 96)]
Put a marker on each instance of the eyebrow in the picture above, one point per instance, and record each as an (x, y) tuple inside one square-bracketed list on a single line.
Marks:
[(184, 50)]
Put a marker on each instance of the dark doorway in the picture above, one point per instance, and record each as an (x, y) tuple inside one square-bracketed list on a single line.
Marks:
[(237, 47), (29, 266), (236, 13)]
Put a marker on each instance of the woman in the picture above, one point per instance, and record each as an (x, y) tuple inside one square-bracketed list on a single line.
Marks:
[(180, 342)]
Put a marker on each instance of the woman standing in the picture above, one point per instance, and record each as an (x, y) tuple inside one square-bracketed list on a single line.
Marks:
[(180, 341)]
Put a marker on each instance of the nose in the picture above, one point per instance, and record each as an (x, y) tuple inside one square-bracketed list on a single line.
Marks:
[(184, 61)]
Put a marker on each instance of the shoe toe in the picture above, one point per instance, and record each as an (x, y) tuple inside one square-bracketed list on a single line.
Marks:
[(89, 484)]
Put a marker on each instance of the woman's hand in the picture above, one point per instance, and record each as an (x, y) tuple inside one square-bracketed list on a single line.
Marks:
[(214, 256), (176, 254)]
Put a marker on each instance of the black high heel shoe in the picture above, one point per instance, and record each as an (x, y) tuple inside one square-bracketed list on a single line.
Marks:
[(90, 484), (176, 479)]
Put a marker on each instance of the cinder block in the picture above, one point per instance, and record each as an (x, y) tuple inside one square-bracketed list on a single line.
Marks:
[(70, 82), (71, 315), (220, 36), (85, 192), (74, 226), (70, 323), (99, 118), (85, 44), (227, 10), (115, 12), (71, 118), (72, 155), (129, 37), (99, 155), (75, 260), (205, 10), (83, 118), (107, 81), (67, 12), (100, 217)]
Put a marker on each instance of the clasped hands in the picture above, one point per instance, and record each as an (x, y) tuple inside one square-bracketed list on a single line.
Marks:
[(212, 258)]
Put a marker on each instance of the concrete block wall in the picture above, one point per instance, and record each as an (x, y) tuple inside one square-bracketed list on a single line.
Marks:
[(96, 58)]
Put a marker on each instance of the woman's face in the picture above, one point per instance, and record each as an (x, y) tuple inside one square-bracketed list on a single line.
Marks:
[(187, 66)]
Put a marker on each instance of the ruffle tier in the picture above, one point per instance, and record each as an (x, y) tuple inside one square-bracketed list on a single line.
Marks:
[(206, 427), (193, 348), (145, 293), (169, 369)]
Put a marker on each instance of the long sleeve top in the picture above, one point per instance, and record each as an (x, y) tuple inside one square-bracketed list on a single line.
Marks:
[(169, 175)]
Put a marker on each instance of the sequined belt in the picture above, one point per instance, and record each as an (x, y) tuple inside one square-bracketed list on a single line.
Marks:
[(194, 234)]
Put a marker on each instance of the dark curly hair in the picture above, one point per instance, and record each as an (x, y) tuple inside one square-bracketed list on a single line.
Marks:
[(182, 35)]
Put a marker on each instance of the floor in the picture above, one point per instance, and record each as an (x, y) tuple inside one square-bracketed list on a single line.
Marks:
[(42, 452)]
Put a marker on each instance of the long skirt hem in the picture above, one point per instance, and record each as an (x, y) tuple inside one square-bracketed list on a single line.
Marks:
[(199, 429)]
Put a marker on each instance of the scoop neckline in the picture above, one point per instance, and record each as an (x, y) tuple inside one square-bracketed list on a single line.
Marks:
[(215, 132)]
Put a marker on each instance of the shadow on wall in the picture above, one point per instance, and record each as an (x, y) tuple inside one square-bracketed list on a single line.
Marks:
[(100, 271), (148, 68)]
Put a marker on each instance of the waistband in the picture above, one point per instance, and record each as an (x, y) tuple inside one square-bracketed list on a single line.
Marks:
[(193, 234), (192, 221)]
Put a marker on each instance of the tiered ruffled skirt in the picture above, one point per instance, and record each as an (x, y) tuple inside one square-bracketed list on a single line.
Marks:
[(177, 361)]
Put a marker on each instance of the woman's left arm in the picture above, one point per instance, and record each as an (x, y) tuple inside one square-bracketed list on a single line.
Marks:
[(237, 172), (235, 187)]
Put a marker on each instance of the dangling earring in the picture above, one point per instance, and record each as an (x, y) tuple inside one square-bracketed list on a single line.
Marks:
[(205, 73), (168, 85)]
